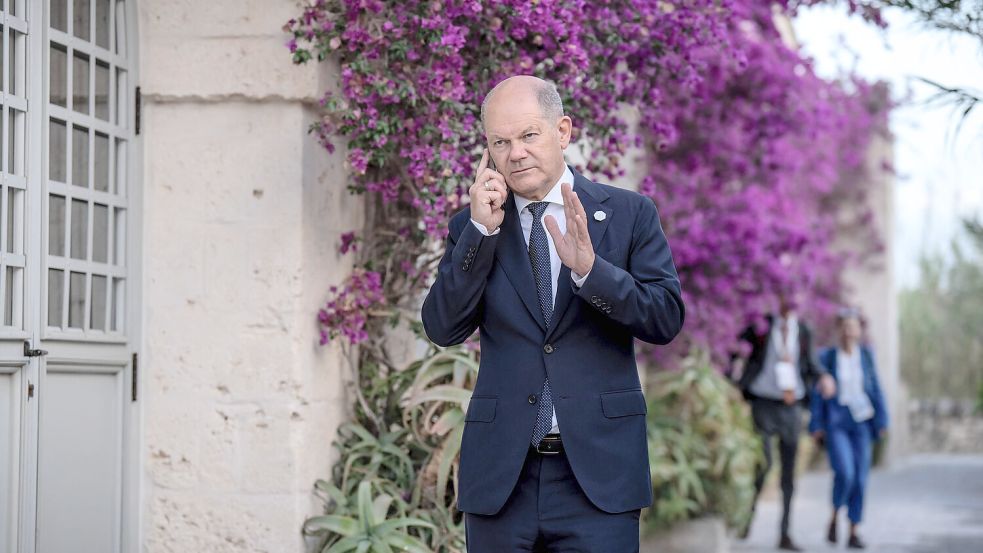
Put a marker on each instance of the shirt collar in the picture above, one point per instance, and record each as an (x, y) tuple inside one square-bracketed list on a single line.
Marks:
[(555, 195), (793, 321)]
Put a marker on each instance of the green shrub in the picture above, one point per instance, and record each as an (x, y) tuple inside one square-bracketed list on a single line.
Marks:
[(702, 447), (394, 490), (397, 489)]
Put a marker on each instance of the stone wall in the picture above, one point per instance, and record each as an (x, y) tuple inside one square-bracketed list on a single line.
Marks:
[(945, 426), (241, 216)]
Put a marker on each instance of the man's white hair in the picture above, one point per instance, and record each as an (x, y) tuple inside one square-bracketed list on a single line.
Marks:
[(549, 99)]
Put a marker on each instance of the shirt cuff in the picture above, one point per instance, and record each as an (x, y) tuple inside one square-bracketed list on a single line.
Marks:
[(578, 280), (483, 229)]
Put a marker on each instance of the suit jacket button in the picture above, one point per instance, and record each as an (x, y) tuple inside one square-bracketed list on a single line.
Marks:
[(548, 348), (532, 398)]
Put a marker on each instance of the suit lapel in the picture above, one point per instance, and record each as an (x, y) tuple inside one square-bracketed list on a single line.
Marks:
[(834, 357), (513, 256), (592, 197)]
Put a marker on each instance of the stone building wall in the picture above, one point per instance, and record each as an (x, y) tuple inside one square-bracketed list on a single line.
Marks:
[(241, 217), (873, 288)]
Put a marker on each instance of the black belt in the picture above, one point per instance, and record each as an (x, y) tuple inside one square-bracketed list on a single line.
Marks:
[(550, 445), (776, 402)]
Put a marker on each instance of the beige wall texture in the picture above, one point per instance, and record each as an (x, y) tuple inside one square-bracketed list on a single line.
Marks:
[(242, 213), (873, 289)]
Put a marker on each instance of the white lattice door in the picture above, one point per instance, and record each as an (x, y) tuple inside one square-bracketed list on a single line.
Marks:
[(67, 386)]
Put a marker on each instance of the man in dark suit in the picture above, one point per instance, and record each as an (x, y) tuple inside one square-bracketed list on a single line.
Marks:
[(776, 377), (560, 275)]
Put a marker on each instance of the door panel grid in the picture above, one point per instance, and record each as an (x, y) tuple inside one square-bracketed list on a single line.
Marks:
[(13, 161), (68, 458), (88, 134)]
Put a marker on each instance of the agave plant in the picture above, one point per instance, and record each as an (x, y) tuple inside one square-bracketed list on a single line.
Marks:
[(702, 446), (449, 536), (434, 408), (366, 457), (369, 527)]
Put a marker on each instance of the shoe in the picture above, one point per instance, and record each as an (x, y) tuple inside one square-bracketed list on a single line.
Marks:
[(855, 543), (831, 534), (787, 545), (745, 530)]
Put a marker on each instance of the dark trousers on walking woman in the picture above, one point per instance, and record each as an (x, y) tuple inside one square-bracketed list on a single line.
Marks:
[(775, 418)]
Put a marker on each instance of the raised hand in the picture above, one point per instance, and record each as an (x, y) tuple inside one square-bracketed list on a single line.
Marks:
[(573, 247), (488, 195)]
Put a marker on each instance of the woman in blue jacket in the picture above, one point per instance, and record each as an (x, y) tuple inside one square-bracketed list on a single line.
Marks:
[(850, 421)]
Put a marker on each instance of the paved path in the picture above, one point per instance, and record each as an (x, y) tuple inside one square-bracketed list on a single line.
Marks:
[(924, 504)]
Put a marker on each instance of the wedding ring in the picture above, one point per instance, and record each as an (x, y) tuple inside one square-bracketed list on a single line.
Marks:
[(487, 186)]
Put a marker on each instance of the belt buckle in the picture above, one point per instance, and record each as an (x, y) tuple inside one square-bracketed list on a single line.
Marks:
[(541, 452)]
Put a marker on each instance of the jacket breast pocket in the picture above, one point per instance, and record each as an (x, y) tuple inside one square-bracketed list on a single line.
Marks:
[(481, 409), (623, 403)]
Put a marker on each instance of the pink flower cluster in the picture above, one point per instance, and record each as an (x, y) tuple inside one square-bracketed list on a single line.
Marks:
[(752, 158), (765, 169), (346, 313)]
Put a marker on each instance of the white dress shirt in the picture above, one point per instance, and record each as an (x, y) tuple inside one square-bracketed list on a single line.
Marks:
[(850, 374), (555, 208), (776, 375)]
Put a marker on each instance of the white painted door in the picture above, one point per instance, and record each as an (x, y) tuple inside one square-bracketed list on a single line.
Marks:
[(67, 388)]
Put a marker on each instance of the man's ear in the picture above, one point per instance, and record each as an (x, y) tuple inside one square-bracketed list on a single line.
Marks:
[(564, 126)]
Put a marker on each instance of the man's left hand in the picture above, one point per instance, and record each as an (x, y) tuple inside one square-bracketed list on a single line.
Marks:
[(573, 247), (788, 396)]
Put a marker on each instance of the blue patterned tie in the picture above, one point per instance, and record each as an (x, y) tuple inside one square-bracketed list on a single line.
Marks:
[(539, 255)]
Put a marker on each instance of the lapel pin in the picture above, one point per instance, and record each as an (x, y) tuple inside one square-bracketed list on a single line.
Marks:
[(600, 215)]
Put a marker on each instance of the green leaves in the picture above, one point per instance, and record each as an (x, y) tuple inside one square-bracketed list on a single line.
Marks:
[(393, 491), (435, 404), (941, 346), (370, 529), (702, 447)]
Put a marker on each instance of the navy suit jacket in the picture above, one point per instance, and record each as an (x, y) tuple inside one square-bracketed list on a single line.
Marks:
[(632, 291), (828, 414)]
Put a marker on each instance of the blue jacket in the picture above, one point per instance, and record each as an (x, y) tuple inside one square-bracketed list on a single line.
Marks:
[(632, 291), (828, 413)]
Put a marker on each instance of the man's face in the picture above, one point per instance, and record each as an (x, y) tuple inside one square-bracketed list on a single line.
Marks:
[(526, 147), (788, 303)]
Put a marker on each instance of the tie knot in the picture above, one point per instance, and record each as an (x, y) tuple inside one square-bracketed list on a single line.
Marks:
[(537, 209)]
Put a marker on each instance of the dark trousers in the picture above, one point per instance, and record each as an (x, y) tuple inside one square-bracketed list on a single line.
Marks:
[(549, 512), (775, 418)]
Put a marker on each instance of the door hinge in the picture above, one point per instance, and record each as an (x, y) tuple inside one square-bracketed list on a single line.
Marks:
[(137, 104), (30, 389), (28, 352), (133, 381)]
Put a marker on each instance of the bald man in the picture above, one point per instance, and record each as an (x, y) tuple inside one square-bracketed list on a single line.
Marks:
[(559, 275)]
